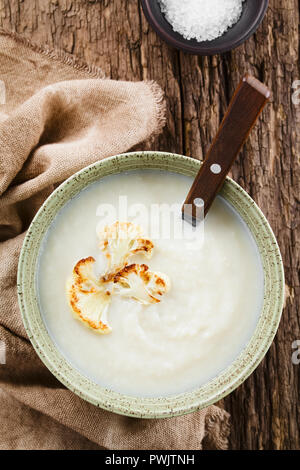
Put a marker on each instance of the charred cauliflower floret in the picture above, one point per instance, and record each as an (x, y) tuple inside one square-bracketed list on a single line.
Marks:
[(120, 241), (89, 297), (137, 282)]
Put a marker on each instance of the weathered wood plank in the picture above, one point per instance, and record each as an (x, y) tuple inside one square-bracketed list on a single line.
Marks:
[(114, 35)]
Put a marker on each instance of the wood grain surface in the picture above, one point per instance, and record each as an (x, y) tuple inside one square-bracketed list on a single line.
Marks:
[(115, 35)]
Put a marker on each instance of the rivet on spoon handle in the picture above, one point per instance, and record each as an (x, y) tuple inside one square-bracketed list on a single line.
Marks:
[(244, 109)]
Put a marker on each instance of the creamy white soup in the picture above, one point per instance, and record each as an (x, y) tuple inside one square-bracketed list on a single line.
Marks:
[(199, 326)]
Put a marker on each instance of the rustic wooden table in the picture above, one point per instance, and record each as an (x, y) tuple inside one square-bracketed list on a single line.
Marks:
[(115, 35)]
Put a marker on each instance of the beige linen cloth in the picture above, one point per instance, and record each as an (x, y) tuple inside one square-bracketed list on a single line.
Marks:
[(58, 115)]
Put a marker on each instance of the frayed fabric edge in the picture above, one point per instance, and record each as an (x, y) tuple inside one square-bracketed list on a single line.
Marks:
[(96, 72), (217, 429), (56, 55), (160, 107)]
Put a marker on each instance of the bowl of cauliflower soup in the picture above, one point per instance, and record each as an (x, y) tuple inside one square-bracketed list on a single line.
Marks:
[(137, 311)]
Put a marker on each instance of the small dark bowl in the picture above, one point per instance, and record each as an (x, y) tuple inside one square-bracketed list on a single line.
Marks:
[(253, 14)]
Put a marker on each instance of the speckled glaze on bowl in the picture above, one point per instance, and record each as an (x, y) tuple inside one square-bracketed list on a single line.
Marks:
[(162, 407)]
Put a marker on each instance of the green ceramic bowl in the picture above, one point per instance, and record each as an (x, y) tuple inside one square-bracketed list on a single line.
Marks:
[(162, 407)]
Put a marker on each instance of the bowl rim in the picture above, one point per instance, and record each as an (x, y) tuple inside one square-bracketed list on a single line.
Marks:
[(205, 48), (160, 407)]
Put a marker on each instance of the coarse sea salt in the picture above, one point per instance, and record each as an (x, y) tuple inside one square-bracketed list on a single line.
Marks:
[(203, 20)]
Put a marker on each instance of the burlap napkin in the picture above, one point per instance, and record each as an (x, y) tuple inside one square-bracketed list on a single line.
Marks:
[(56, 116)]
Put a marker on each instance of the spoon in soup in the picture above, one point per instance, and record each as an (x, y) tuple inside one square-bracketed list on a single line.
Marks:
[(244, 109)]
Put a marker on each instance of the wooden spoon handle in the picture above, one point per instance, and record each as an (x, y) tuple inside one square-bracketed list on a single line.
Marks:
[(246, 105)]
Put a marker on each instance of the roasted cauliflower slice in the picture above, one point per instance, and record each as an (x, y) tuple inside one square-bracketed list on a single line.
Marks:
[(89, 297), (120, 241), (137, 282)]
